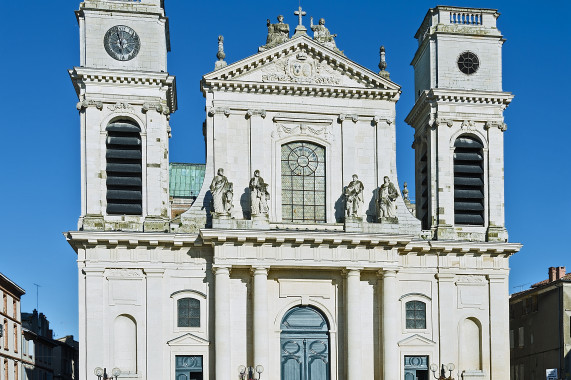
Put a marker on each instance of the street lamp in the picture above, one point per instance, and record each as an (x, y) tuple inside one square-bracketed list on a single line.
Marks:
[(450, 367), (101, 373), (249, 372)]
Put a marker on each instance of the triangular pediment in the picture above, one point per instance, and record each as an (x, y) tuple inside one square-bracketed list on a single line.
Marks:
[(302, 62), (416, 340), (188, 339)]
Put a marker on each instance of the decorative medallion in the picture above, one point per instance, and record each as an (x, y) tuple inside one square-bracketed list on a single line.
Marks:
[(468, 62)]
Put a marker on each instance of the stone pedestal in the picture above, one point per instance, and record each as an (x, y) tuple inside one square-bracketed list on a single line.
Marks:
[(476, 375), (388, 220), (260, 222)]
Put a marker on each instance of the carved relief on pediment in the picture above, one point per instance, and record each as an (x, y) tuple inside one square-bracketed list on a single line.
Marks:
[(301, 68)]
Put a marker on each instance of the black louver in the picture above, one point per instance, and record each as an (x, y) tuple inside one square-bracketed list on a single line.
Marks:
[(468, 181), (124, 169)]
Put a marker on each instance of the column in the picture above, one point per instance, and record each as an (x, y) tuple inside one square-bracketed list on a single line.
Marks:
[(391, 323), (348, 125), (222, 347), (260, 316), (499, 327), (353, 324)]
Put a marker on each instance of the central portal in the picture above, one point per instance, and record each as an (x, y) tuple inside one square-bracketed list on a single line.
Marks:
[(304, 345)]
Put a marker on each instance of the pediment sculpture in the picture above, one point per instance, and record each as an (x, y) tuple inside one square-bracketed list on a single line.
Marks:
[(277, 33), (322, 35)]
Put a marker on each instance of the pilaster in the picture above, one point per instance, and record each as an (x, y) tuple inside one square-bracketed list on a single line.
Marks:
[(390, 317), (261, 323), (222, 327), (499, 326), (353, 307)]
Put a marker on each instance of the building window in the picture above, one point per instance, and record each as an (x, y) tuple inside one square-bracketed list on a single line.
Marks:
[(15, 309), (6, 369), (188, 310), (520, 338), (468, 181), (415, 315), (124, 169), (5, 304), (303, 182), (15, 338), (512, 345)]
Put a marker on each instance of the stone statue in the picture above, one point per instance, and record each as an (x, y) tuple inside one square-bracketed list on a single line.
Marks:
[(219, 187), (277, 33), (405, 192), (354, 197), (387, 199), (259, 195), (322, 35)]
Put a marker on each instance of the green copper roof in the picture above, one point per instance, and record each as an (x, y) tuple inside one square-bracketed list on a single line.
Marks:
[(185, 179)]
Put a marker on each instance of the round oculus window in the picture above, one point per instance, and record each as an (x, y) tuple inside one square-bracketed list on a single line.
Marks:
[(468, 62)]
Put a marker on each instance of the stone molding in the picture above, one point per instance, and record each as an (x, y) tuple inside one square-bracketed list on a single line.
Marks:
[(124, 273), (349, 116), (496, 124), (256, 112), (383, 119), (219, 110), (162, 109), (85, 103), (120, 106), (301, 129)]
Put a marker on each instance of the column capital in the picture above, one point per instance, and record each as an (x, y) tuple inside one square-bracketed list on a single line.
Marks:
[(260, 270), (445, 277), (385, 119), (221, 269), (219, 110), (347, 116), (351, 271), (93, 272), (388, 272), (256, 112)]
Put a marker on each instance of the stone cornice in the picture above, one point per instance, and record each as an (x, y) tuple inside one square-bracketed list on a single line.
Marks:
[(431, 98), (85, 75), (83, 239), (461, 248), (303, 90), (249, 237)]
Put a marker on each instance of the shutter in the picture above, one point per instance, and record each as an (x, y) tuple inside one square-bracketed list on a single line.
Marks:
[(124, 169), (468, 181)]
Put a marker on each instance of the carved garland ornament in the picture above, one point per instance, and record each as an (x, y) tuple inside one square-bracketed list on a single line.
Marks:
[(301, 68), (301, 129), (120, 106)]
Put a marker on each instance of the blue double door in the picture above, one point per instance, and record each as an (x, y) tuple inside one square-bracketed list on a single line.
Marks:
[(304, 345)]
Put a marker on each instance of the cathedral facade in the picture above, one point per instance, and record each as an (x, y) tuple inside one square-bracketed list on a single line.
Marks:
[(300, 258)]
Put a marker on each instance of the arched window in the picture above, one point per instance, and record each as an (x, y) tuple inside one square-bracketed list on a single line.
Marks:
[(124, 168), (303, 182), (468, 181), (415, 315), (125, 344), (188, 310)]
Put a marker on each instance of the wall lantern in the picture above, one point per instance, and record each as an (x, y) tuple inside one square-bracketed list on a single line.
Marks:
[(450, 367)]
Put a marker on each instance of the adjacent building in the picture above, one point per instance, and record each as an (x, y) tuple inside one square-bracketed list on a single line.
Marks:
[(10, 330), (540, 328), (298, 254), (39, 344), (66, 358)]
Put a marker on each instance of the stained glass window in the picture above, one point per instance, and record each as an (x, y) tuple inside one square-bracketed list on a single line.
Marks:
[(415, 315), (188, 312), (303, 182)]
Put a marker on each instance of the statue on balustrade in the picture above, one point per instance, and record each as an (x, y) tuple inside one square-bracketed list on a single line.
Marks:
[(387, 197), (259, 195), (222, 193), (354, 197)]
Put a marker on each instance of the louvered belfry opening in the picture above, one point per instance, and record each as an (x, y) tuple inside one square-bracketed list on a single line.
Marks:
[(124, 168), (468, 181), (423, 198)]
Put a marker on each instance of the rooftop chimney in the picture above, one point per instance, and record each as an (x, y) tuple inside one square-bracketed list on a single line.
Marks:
[(555, 273)]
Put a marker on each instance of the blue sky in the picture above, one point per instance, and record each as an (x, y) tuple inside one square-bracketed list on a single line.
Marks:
[(39, 149)]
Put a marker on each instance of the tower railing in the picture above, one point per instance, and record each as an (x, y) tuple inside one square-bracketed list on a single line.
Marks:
[(466, 18)]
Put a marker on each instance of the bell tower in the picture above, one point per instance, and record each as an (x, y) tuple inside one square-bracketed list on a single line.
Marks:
[(459, 124), (126, 97)]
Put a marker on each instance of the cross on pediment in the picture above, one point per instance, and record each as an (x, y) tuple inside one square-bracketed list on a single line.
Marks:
[(300, 13)]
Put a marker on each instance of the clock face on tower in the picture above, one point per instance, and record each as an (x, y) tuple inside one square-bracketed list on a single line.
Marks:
[(122, 43)]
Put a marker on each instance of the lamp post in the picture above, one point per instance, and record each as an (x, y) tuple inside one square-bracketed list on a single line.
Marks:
[(101, 373), (450, 367), (248, 373)]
